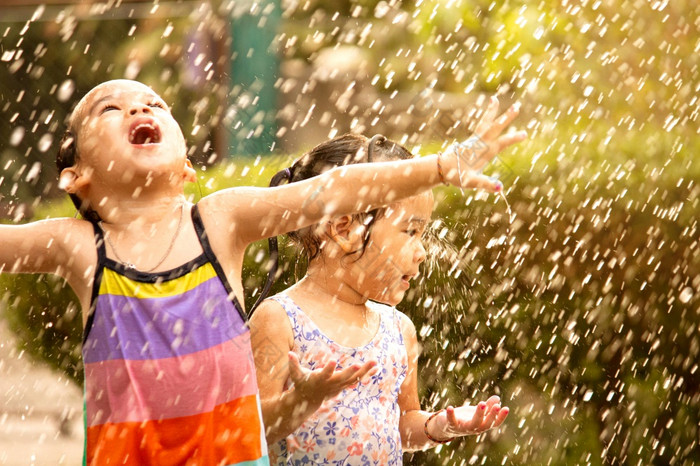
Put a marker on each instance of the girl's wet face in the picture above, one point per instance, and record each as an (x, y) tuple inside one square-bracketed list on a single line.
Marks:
[(125, 132), (394, 251)]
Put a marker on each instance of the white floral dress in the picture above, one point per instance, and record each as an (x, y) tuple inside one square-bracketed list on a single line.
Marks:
[(360, 426)]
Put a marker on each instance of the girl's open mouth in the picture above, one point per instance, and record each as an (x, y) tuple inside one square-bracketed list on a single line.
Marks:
[(144, 133)]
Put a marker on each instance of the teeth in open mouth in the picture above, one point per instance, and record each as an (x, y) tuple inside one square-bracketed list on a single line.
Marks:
[(144, 134)]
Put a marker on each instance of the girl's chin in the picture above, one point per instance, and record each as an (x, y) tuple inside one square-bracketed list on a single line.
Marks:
[(392, 299)]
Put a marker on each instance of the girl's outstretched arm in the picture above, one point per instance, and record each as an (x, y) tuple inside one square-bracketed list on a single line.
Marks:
[(422, 429), (285, 408), (256, 213), (63, 246), (37, 247)]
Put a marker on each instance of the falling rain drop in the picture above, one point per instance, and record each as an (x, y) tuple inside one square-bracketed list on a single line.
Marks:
[(32, 175), (168, 30), (45, 142), (16, 136), (65, 90), (685, 295), (132, 69)]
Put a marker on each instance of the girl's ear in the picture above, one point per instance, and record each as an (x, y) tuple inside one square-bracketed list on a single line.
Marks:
[(72, 181), (189, 175), (347, 233)]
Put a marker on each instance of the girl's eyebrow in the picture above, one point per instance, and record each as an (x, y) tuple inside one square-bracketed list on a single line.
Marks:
[(99, 102), (108, 97), (419, 220)]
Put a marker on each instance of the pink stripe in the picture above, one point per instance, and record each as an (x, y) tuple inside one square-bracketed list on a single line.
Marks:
[(135, 391)]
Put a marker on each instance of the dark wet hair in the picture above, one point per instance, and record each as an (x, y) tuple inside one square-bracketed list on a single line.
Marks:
[(343, 150), (67, 156)]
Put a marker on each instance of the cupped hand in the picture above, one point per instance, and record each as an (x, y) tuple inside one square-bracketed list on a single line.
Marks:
[(462, 162), (326, 382), (471, 420)]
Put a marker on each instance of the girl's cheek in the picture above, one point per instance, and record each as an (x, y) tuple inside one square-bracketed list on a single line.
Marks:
[(89, 133)]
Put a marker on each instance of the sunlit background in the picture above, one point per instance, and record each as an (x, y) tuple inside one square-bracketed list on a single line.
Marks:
[(575, 297)]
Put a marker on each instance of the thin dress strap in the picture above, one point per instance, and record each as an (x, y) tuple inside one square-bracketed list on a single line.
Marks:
[(97, 277), (209, 252), (290, 308), (396, 317)]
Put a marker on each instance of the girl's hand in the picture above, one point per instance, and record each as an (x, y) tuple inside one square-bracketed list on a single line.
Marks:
[(315, 386), (462, 162), (468, 420)]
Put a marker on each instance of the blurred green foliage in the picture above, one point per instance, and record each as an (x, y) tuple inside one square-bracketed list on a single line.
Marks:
[(582, 312)]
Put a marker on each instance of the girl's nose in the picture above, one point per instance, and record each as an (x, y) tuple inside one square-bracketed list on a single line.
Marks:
[(140, 108), (420, 254)]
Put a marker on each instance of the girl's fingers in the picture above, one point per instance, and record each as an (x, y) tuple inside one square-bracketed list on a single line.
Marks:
[(365, 369), (502, 414), (368, 369), (506, 118), (511, 138), (451, 417), (346, 374), (484, 182), (298, 373), (490, 417), (489, 116), (493, 401), (328, 369), (295, 371), (478, 418)]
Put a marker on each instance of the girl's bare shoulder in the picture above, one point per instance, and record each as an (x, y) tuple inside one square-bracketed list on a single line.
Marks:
[(270, 317), (65, 230)]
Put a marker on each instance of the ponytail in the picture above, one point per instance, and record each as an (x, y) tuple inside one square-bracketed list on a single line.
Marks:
[(280, 177)]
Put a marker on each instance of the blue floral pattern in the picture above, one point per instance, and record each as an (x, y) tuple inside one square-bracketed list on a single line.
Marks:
[(360, 426)]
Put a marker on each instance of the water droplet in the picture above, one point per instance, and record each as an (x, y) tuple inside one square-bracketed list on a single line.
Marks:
[(7, 55), (65, 90), (17, 136), (132, 70), (178, 327), (686, 295), (45, 141), (381, 9), (168, 30), (33, 172)]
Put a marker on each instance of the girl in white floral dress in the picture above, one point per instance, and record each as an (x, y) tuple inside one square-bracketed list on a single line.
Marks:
[(337, 370)]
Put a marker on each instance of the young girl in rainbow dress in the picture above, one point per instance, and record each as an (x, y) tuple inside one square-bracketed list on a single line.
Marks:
[(169, 377), (336, 362)]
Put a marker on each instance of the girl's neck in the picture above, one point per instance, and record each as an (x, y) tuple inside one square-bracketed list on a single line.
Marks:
[(127, 212), (339, 311), (321, 278)]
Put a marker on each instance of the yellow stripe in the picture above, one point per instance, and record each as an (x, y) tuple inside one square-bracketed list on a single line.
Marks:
[(115, 284)]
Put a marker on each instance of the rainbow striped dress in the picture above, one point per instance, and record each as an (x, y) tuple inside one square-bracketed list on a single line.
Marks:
[(169, 373)]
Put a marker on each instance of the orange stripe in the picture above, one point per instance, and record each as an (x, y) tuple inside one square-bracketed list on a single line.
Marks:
[(231, 433)]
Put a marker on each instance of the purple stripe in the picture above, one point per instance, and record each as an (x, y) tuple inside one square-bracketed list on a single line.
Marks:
[(154, 328)]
